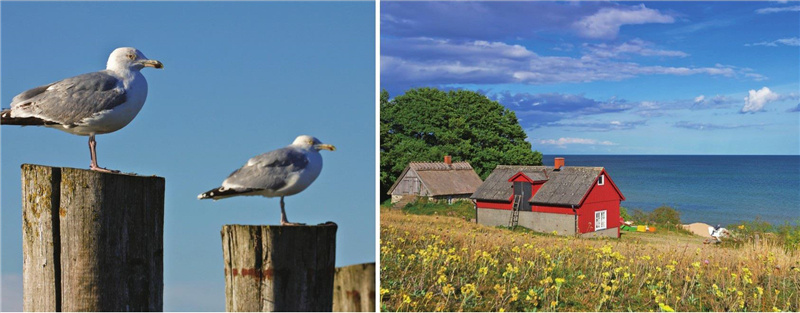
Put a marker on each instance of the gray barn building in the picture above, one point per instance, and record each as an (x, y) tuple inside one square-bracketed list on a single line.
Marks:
[(436, 181)]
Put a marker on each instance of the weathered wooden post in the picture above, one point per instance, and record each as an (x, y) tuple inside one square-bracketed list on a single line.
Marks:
[(354, 288), (279, 268), (91, 241)]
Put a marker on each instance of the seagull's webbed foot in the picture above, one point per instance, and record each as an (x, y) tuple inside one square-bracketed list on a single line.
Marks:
[(102, 169), (92, 151), (287, 223)]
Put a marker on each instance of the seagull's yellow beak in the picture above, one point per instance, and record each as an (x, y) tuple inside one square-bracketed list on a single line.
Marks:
[(152, 63), (325, 146)]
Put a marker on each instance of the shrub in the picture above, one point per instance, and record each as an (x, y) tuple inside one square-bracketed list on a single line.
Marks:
[(665, 215), (623, 212), (639, 216)]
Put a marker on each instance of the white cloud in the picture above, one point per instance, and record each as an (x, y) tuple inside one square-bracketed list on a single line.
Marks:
[(778, 9), (636, 46), (428, 61), (563, 141), (606, 22), (756, 100), (699, 99), (792, 42)]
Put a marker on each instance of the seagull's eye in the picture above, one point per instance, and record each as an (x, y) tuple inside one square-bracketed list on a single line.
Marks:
[(132, 56)]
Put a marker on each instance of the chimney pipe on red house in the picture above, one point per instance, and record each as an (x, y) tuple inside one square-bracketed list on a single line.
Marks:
[(559, 163), (448, 160)]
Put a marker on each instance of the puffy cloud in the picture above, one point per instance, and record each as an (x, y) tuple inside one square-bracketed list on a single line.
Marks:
[(606, 22), (794, 42), (563, 141), (778, 9), (756, 99), (699, 99)]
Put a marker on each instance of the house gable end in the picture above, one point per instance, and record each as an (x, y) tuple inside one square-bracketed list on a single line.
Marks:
[(608, 182), (398, 180)]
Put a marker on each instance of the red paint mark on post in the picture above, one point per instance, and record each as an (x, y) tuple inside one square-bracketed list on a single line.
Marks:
[(252, 272)]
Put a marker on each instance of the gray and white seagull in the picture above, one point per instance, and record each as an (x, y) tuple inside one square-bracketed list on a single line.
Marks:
[(89, 104), (277, 173)]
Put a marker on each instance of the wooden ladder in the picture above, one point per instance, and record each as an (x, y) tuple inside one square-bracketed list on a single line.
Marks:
[(515, 208)]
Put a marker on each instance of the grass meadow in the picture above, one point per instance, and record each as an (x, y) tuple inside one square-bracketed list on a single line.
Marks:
[(443, 262)]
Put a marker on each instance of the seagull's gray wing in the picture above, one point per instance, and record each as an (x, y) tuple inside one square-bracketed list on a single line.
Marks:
[(71, 100), (268, 171)]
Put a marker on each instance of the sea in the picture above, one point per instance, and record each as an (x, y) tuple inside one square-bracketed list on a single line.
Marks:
[(713, 189)]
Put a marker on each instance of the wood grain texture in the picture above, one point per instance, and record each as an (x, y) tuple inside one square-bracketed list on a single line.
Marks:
[(354, 288), (40, 261), (279, 268), (110, 240)]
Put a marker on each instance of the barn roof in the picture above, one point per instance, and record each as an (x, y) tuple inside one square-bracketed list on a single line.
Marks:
[(440, 178), (564, 187)]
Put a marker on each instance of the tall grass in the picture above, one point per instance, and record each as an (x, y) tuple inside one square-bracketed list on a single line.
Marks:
[(448, 264)]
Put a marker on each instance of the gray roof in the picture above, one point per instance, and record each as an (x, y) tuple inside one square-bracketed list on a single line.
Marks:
[(497, 187), (441, 179), (565, 187)]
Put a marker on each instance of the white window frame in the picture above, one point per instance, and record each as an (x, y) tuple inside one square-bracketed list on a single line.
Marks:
[(602, 180), (600, 220)]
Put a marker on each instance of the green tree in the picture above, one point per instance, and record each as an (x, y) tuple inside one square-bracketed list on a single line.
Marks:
[(425, 124), (665, 215)]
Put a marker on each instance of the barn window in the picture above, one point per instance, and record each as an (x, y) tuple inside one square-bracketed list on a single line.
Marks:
[(600, 220), (602, 180)]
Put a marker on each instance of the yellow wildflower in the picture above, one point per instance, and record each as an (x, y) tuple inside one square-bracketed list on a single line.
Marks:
[(665, 308), (447, 289), (514, 294), (468, 289)]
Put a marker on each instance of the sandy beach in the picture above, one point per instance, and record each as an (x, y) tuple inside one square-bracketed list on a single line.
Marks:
[(700, 229)]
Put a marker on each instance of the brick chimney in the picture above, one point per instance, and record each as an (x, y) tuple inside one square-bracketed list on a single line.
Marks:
[(448, 160), (558, 164)]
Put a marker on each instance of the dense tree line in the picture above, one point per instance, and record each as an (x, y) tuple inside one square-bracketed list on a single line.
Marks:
[(425, 124)]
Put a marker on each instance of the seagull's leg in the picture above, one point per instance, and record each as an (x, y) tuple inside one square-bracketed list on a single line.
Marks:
[(94, 166), (284, 221)]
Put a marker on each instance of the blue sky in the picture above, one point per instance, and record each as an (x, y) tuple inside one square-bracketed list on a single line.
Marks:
[(612, 77), (240, 79)]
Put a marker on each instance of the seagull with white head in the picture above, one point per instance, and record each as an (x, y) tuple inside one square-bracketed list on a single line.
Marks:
[(89, 104), (278, 173)]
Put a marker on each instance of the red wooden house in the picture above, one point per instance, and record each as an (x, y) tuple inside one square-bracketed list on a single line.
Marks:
[(565, 199)]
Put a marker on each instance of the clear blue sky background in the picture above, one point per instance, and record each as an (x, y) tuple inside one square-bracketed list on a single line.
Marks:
[(612, 77), (240, 79)]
